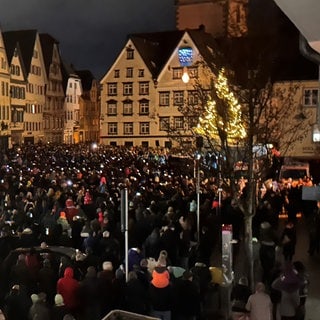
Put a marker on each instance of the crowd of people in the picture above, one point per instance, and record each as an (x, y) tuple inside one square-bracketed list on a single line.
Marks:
[(71, 196)]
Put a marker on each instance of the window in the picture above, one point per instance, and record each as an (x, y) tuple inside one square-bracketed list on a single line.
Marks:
[(178, 98), (129, 73), (141, 73), (193, 98), (316, 134), (112, 89), (112, 128), (164, 98), (164, 123), (144, 107), (143, 88), (144, 128), (127, 108), (130, 54), (178, 123), (193, 72), (128, 128), (112, 108), (117, 73), (127, 89), (310, 97), (177, 73)]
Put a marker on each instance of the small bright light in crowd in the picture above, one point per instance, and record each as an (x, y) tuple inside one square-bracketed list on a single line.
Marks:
[(94, 146)]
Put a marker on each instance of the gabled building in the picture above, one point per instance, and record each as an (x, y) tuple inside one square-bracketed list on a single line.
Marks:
[(73, 90), (89, 108), (53, 113), (143, 90), (25, 44), (18, 82), (5, 114)]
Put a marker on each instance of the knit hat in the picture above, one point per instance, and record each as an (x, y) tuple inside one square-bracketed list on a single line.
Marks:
[(58, 300)]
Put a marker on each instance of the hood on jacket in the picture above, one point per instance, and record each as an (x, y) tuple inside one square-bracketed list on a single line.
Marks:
[(68, 272)]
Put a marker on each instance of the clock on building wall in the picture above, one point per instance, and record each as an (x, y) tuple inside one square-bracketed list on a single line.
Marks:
[(185, 56)]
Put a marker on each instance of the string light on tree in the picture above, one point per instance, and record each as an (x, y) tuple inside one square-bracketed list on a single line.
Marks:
[(222, 117)]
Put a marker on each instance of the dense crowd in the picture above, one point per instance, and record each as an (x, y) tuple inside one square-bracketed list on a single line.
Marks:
[(71, 196)]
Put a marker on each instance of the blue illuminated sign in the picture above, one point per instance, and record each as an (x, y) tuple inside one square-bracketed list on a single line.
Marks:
[(185, 56)]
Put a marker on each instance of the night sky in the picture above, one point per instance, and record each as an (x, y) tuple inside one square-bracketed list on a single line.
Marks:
[(91, 32)]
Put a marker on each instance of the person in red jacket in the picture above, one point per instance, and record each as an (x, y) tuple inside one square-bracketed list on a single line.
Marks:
[(68, 287)]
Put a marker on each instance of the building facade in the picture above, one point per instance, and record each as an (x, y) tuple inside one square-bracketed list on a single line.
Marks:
[(143, 90), (5, 114), (89, 108), (53, 113), (73, 91), (29, 80)]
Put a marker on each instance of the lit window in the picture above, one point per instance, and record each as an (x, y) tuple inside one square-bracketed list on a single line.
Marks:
[(316, 133), (310, 97)]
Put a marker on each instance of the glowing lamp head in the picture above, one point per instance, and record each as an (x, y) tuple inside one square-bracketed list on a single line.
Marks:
[(185, 76)]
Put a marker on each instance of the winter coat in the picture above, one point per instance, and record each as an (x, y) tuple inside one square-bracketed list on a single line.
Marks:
[(68, 287), (161, 298), (186, 298)]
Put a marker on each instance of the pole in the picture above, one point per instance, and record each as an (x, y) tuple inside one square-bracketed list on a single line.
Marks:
[(197, 178), (124, 226), (198, 200)]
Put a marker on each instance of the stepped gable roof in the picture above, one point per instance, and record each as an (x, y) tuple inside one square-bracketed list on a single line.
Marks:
[(26, 40), (47, 43), (156, 48)]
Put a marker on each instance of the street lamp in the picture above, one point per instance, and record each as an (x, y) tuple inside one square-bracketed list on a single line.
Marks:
[(185, 75), (197, 177)]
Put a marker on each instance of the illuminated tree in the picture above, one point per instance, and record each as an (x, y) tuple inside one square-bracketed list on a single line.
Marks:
[(222, 119)]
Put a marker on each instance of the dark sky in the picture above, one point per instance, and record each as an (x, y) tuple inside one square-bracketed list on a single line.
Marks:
[(91, 32)]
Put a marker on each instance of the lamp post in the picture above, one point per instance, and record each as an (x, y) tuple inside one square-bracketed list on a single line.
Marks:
[(197, 178)]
